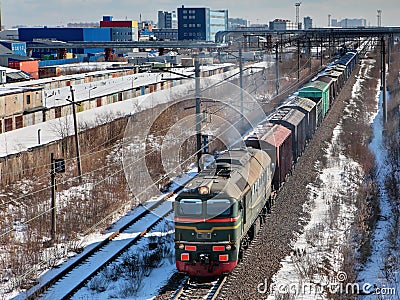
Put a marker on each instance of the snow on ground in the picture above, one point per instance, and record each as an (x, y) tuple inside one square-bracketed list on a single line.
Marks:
[(316, 259), (374, 270), (313, 270), (90, 241), (117, 282)]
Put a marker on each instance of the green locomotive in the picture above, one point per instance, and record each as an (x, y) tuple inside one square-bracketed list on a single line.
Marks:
[(220, 211)]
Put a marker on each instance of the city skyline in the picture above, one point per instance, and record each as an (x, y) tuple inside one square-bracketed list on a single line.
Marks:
[(45, 12)]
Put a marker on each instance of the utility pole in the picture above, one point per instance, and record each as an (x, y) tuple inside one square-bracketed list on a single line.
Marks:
[(298, 60), (53, 198), (78, 158), (276, 69), (241, 82), (309, 54), (198, 117), (383, 77), (321, 53)]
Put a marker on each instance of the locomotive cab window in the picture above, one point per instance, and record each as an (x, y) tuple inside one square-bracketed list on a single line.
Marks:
[(219, 207), (190, 207)]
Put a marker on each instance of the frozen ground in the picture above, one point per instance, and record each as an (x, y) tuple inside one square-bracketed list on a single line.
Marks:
[(376, 270)]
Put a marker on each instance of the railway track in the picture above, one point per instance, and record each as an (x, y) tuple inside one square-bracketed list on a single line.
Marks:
[(86, 266), (199, 289)]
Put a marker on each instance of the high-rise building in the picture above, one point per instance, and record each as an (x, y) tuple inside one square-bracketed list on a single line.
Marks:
[(218, 22), (307, 23), (174, 18), (164, 19), (201, 23)]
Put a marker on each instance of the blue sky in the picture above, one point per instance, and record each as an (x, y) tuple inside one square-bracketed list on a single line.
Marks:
[(61, 12)]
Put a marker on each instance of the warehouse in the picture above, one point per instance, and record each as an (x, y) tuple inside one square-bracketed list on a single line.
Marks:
[(65, 35)]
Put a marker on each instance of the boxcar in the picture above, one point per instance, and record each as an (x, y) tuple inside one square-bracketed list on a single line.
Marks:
[(307, 107), (295, 121), (276, 140), (317, 91)]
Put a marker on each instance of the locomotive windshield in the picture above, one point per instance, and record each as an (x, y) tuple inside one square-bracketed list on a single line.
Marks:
[(218, 207), (210, 208), (190, 207)]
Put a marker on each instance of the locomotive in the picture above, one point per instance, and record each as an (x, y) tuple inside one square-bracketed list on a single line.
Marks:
[(219, 212)]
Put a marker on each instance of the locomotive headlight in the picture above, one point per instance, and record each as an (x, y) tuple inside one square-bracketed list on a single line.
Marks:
[(204, 190), (228, 247), (181, 246)]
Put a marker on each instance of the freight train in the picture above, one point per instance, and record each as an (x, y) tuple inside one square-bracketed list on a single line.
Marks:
[(220, 211)]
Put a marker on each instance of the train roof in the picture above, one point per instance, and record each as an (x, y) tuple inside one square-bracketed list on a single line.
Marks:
[(318, 85), (274, 134), (326, 78), (288, 115), (333, 73), (303, 103), (231, 173)]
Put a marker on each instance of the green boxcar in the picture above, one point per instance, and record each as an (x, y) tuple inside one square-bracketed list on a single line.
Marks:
[(316, 91)]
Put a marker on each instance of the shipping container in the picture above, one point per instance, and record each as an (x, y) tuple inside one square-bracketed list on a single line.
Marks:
[(29, 66), (276, 140)]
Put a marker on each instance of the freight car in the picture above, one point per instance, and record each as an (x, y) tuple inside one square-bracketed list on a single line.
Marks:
[(220, 211)]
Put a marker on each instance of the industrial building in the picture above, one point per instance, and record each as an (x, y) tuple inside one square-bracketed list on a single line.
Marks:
[(65, 35), (236, 23), (16, 47), (201, 23), (349, 23), (121, 31), (165, 34), (281, 25)]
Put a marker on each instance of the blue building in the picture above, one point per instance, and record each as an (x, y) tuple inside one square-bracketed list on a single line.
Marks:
[(16, 47), (65, 35), (200, 23)]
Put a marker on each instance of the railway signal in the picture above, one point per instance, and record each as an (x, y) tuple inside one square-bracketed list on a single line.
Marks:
[(57, 166)]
